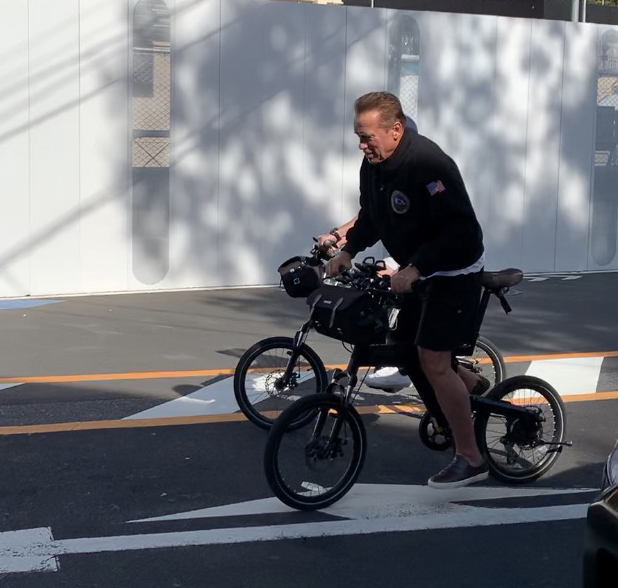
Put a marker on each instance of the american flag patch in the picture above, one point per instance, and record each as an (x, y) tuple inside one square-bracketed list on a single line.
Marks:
[(435, 187)]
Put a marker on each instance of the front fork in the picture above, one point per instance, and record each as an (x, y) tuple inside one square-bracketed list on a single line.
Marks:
[(299, 340), (332, 446)]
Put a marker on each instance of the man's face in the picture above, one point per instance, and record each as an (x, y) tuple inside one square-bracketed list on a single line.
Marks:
[(376, 142)]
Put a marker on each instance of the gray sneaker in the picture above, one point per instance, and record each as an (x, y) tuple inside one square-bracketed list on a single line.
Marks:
[(458, 473)]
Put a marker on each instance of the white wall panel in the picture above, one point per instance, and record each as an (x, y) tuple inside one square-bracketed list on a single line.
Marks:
[(439, 93), (195, 234), (242, 139), (104, 145), (14, 146), (577, 142), (54, 145), (283, 186), (543, 146), (263, 150), (366, 58), (603, 243), (475, 152), (324, 127), (501, 202)]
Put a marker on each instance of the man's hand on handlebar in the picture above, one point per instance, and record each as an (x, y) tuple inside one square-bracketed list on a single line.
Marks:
[(326, 241), (341, 261), (401, 282)]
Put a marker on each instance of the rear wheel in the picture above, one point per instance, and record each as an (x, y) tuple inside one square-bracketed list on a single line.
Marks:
[(517, 449), (271, 374), (312, 466)]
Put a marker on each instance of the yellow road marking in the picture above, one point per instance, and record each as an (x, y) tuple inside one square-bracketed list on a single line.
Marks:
[(117, 376), (230, 371), (194, 420), (234, 417)]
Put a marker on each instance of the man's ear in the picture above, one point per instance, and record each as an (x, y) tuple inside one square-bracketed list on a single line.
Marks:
[(397, 129)]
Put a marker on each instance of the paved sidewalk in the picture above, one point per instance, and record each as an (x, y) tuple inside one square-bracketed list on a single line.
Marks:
[(196, 329)]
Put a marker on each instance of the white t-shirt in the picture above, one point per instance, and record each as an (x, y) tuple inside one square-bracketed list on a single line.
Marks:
[(477, 266)]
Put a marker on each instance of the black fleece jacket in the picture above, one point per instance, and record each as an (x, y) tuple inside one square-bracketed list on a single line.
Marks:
[(416, 203)]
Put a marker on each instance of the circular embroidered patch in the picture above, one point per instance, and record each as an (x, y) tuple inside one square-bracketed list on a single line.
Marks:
[(400, 202)]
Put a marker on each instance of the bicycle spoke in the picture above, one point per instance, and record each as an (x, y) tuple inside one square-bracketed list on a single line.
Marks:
[(266, 383), (517, 448)]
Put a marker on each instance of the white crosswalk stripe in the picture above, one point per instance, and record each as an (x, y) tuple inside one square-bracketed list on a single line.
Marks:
[(545, 277), (216, 398), (578, 375)]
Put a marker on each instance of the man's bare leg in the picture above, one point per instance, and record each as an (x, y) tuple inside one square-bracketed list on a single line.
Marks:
[(454, 400)]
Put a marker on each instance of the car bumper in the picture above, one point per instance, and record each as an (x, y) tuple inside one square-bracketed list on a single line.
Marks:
[(601, 546)]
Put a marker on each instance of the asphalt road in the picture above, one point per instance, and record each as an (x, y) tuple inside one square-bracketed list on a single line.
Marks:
[(75, 500)]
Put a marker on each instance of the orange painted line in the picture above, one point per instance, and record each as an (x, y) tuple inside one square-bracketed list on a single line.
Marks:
[(230, 371), (117, 376), (605, 395), (119, 424), (515, 358), (391, 409), (235, 417)]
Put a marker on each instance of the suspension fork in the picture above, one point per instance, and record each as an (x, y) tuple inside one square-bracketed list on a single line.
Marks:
[(345, 399), (298, 341), (333, 442), (301, 335)]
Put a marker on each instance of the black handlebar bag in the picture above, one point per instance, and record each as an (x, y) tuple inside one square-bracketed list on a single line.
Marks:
[(301, 275), (349, 315)]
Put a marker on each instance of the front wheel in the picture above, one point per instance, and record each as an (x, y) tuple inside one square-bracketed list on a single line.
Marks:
[(520, 450), (271, 374), (314, 465)]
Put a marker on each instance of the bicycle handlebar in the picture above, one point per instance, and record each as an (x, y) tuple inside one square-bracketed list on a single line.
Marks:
[(365, 276), (326, 252)]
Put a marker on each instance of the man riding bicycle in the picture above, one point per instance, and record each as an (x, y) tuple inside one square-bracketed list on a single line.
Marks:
[(413, 199)]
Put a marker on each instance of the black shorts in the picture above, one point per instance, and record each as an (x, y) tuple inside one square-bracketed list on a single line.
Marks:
[(441, 313)]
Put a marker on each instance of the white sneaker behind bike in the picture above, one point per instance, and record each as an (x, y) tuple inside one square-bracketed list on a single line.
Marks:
[(389, 379)]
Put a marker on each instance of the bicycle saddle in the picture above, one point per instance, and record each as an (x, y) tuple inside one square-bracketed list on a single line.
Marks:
[(502, 279)]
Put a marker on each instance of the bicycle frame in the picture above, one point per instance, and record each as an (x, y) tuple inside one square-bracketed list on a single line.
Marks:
[(521, 420), (397, 354), (520, 439)]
